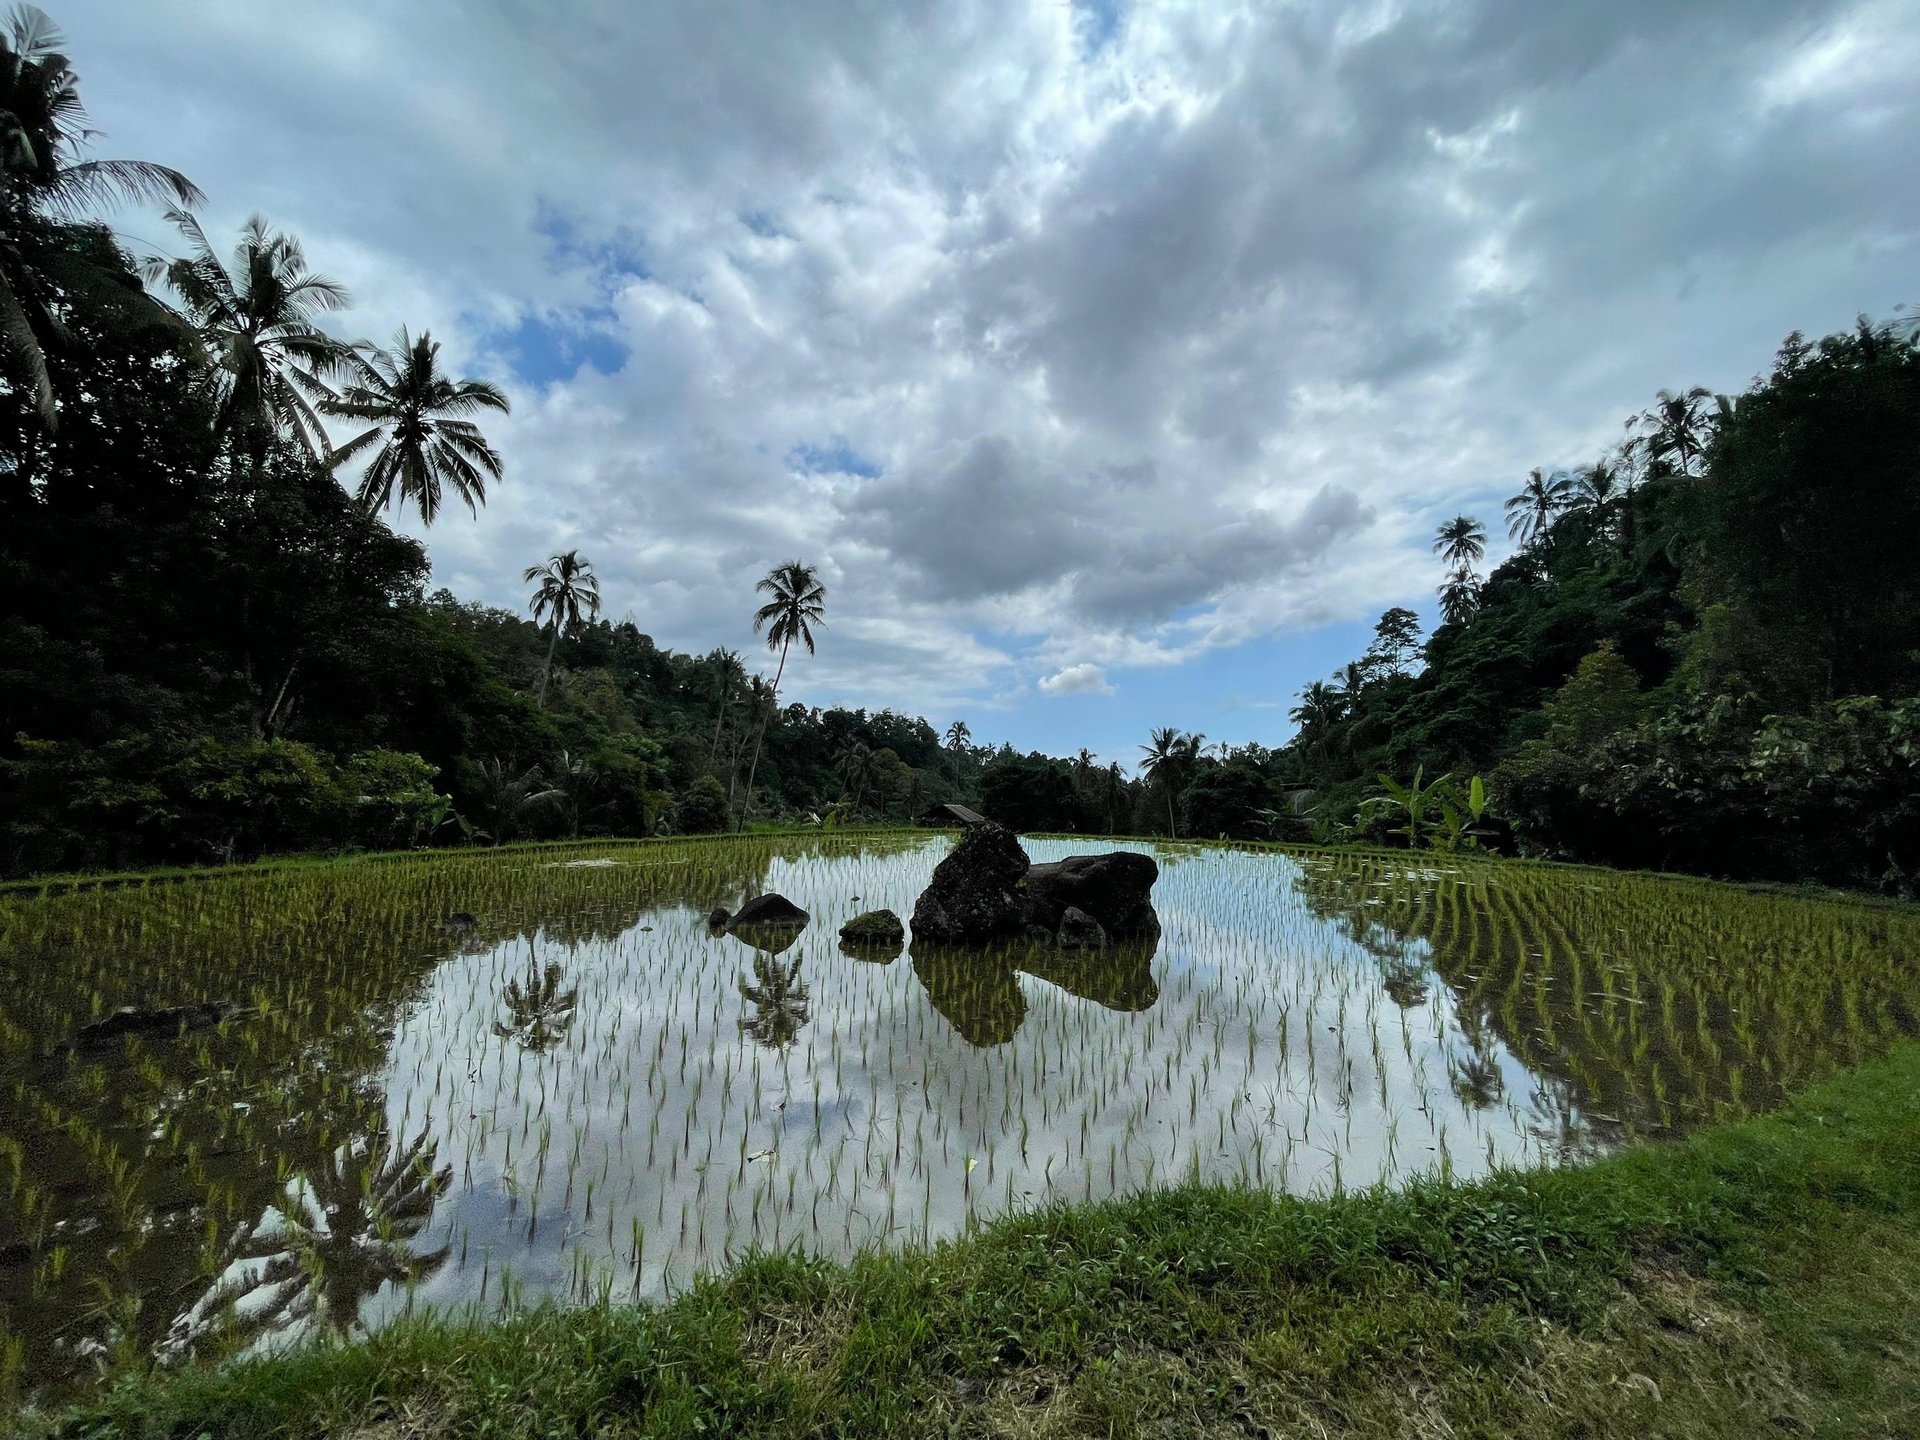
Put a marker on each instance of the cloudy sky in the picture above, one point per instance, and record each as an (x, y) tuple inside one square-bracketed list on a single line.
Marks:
[(1114, 362)]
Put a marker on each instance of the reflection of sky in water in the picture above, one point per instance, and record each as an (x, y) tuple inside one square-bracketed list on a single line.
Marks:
[(1271, 1053), (587, 1091)]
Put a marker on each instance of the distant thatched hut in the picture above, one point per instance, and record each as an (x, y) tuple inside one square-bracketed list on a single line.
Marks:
[(947, 815)]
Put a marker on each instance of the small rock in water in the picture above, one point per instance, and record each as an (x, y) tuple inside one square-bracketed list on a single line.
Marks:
[(876, 927), (770, 909)]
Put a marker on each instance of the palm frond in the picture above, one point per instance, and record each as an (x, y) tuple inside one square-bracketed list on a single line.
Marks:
[(94, 184)]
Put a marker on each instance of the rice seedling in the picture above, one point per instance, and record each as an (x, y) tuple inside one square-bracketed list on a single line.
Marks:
[(579, 1091)]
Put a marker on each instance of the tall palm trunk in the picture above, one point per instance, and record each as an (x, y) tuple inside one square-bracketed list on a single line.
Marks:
[(547, 673), (719, 717), (773, 703), (1173, 830)]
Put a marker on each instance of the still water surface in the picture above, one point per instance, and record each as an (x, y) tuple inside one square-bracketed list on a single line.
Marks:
[(586, 1092)]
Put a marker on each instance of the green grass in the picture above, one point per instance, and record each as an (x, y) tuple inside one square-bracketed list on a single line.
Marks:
[(1761, 1278)]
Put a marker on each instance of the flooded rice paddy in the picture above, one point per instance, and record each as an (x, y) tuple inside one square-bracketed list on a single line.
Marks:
[(584, 1092)]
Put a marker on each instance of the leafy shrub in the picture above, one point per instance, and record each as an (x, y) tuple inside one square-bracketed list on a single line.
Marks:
[(701, 808)]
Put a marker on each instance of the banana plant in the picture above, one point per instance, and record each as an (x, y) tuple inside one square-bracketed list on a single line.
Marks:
[(1411, 801), (1459, 826)]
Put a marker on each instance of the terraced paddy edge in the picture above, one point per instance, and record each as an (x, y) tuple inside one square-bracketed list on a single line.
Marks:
[(580, 1092), (1757, 1278)]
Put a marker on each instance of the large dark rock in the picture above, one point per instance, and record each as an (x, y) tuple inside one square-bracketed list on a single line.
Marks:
[(770, 909), (974, 896), (1080, 931), (1115, 889)]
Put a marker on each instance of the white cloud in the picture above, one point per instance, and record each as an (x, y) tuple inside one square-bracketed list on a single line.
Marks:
[(1161, 348), (1076, 680)]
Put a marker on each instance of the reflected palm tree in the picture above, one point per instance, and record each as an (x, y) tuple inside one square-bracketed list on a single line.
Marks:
[(780, 999), (1406, 986), (335, 1237), (1556, 1121), (539, 1011), (1476, 1081)]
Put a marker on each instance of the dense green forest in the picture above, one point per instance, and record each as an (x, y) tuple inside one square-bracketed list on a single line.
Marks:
[(1704, 652)]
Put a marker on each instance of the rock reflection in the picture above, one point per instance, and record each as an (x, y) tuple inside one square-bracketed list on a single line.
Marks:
[(978, 991), (975, 991)]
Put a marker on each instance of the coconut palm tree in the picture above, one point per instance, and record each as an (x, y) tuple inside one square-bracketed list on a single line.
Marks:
[(1351, 680), (798, 602), (574, 780), (1531, 513), (1171, 756), (511, 796), (1116, 789), (728, 672), (1459, 596), (1461, 542), (420, 421), (957, 737), (258, 316), (50, 264), (854, 761), (1598, 494), (1677, 429), (1321, 707), (565, 587)]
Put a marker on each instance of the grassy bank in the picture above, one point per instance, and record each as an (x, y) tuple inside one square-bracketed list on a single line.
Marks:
[(63, 884), (1760, 1278)]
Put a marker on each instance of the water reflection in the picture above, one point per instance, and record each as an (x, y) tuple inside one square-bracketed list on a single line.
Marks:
[(669, 1097), (975, 991), (780, 1000), (540, 1007), (332, 1240)]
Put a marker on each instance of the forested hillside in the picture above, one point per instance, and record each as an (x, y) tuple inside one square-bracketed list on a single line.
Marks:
[(1704, 654)]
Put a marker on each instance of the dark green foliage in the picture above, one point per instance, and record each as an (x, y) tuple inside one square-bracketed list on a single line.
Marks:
[(1810, 515), (702, 808), (1228, 799), (1705, 655), (1035, 792)]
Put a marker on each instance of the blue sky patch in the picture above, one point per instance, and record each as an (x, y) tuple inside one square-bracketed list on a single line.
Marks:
[(623, 254), (1098, 21), (834, 458), (546, 348)]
